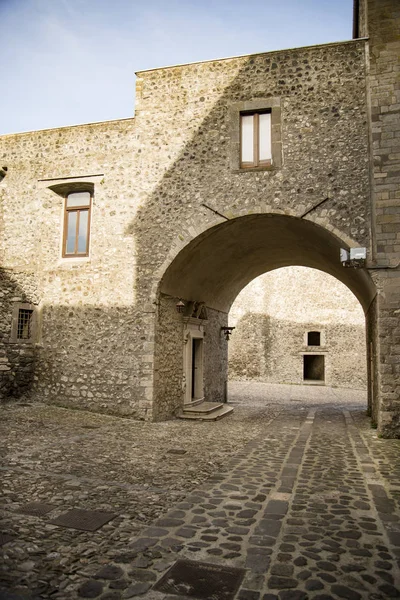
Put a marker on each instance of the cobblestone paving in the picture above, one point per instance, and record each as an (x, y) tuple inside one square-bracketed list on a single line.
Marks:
[(309, 507)]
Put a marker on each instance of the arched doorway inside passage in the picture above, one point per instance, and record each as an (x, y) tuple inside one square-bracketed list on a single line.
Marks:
[(208, 274)]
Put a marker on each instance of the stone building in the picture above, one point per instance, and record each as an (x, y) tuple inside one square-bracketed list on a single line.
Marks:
[(229, 169), (300, 326)]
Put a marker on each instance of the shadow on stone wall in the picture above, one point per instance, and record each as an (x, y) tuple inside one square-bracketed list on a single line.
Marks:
[(311, 81), (320, 90), (250, 348), (266, 349), (101, 358), (17, 359)]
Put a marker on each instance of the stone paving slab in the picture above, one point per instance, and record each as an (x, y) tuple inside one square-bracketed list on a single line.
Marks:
[(309, 508)]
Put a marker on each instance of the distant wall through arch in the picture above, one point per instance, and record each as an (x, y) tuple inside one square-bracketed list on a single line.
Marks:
[(284, 316), (212, 269)]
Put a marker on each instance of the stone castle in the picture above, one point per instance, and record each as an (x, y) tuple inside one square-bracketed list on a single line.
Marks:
[(124, 243)]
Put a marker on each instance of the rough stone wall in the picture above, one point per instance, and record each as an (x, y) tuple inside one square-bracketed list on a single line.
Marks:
[(323, 115), (384, 89), (250, 345), (168, 371), (373, 366), (93, 339), (155, 173), (362, 18), (170, 346), (17, 358), (184, 116), (272, 316), (215, 357)]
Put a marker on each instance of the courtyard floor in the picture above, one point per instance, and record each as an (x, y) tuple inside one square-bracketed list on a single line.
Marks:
[(292, 497)]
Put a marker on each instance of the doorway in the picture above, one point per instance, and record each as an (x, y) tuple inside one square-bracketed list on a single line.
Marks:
[(314, 368), (197, 374), (193, 361)]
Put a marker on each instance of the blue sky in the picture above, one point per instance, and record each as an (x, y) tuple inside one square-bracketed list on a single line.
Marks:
[(73, 61)]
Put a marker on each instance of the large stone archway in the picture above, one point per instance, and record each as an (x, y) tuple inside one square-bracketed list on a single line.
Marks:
[(208, 274)]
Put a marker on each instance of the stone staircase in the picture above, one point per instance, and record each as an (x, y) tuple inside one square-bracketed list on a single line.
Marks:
[(205, 411)]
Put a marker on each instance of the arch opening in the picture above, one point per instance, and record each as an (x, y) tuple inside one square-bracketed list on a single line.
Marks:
[(209, 272), (298, 326), (218, 264)]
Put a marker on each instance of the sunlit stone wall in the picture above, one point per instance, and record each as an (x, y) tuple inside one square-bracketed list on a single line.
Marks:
[(273, 315), (152, 176)]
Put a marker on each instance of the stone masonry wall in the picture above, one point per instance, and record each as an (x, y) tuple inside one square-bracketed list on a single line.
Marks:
[(93, 340), (168, 360), (384, 89), (185, 117), (153, 175), (272, 316), (216, 357), (17, 358), (372, 364), (169, 375), (187, 154)]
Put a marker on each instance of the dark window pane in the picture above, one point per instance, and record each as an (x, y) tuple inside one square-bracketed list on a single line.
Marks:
[(24, 324), (314, 338)]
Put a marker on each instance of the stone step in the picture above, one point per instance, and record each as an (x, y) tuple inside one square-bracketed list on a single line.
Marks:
[(202, 407), (207, 411)]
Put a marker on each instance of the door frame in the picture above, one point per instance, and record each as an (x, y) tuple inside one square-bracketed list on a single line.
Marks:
[(193, 330)]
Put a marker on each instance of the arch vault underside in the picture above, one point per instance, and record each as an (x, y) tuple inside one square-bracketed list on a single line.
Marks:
[(219, 263), (212, 269)]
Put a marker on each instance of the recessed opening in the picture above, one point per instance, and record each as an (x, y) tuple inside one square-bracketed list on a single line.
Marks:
[(24, 326), (314, 367), (314, 338), (197, 375)]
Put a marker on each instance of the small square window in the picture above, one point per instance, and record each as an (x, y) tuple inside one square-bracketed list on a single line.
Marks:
[(77, 224), (255, 140), (314, 338), (24, 325)]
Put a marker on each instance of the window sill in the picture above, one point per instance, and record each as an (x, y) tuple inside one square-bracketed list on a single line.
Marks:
[(66, 261), (254, 169)]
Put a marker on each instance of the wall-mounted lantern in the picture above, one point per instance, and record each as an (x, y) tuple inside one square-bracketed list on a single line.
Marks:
[(355, 257), (227, 332), (180, 306)]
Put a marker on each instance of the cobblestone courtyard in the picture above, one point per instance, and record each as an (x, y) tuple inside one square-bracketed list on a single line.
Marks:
[(295, 489)]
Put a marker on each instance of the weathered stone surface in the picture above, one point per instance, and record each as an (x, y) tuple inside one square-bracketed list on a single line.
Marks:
[(270, 338), (109, 572), (276, 582), (174, 216), (137, 589), (344, 592), (90, 589), (333, 430)]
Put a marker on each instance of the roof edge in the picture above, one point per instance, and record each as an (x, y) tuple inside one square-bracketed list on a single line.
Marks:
[(4, 135), (200, 62)]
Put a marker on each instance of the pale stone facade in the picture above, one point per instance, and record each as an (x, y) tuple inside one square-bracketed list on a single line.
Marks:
[(273, 317), (175, 217)]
